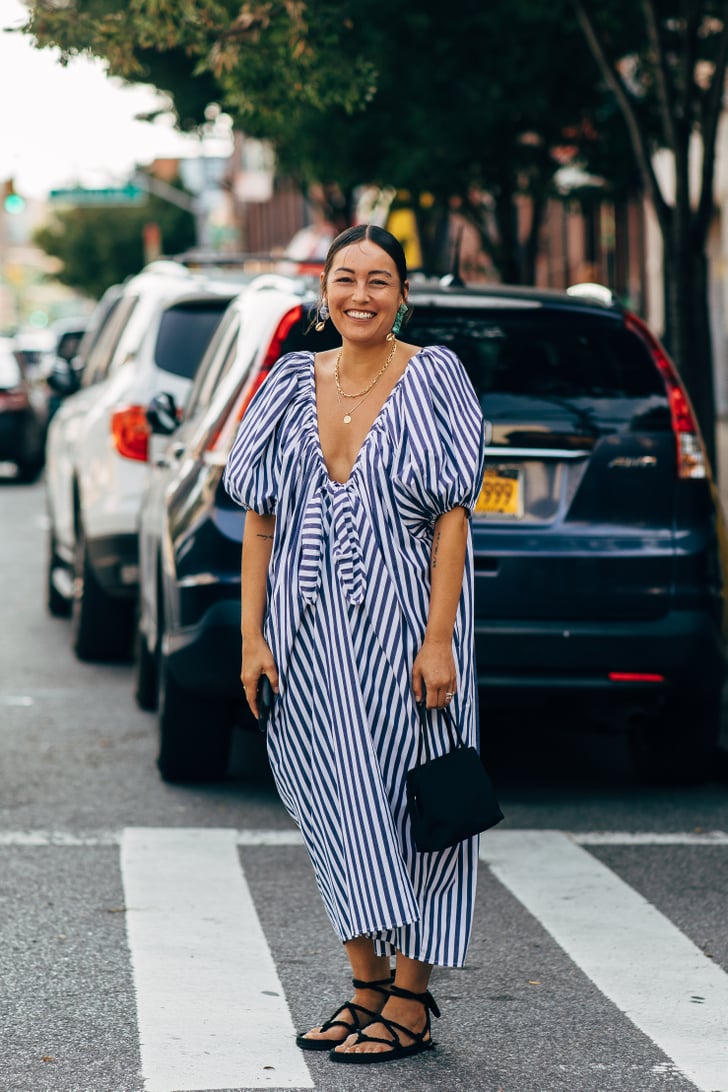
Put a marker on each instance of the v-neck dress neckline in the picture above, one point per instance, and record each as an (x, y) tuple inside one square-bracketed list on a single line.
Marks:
[(372, 428)]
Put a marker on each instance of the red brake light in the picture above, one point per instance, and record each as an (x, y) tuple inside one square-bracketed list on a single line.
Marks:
[(635, 676), (692, 461), (14, 399), (223, 438), (130, 432)]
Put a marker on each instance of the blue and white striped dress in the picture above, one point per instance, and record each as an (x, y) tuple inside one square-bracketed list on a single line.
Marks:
[(348, 594)]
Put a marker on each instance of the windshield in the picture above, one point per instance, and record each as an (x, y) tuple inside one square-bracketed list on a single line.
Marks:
[(549, 362)]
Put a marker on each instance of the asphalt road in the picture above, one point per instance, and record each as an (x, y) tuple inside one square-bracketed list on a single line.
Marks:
[(166, 938)]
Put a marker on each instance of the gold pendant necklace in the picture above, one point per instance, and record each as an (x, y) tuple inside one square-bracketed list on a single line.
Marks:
[(360, 394), (347, 415)]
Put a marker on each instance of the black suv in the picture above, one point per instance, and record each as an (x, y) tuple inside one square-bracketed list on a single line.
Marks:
[(599, 541)]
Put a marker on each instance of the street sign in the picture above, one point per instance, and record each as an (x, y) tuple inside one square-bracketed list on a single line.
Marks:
[(110, 195)]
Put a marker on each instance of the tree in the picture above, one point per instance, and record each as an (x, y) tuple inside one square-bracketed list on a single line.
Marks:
[(102, 246), (451, 101), (664, 61)]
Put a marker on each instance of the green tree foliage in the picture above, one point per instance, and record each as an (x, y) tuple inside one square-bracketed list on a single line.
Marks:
[(455, 100), (450, 100), (98, 247)]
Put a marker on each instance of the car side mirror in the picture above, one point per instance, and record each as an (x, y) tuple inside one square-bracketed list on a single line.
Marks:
[(62, 379), (163, 414)]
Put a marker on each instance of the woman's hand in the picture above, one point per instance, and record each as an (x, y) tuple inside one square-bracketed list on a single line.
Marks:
[(257, 661), (433, 673)]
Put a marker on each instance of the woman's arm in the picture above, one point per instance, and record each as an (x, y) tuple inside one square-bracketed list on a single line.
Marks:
[(257, 657), (433, 671)]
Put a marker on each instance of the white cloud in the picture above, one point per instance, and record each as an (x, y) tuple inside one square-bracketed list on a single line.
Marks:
[(62, 125)]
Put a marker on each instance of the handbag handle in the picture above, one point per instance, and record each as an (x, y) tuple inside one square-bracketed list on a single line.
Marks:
[(456, 739)]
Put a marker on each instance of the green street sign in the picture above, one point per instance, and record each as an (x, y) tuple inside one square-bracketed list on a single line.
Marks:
[(111, 195)]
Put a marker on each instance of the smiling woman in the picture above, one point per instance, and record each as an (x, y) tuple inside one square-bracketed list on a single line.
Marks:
[(359, 467)]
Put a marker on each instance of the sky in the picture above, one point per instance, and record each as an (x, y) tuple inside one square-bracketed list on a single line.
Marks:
[(61, 126)]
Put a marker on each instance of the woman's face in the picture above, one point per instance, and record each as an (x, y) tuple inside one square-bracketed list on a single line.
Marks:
[(363, 292)]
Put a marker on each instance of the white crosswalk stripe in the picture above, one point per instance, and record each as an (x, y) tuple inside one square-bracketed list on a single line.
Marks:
[(636, 957), (211, 1008)]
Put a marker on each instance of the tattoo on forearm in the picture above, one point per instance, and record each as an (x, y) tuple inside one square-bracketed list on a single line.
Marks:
[(435, 548), (267, 537)]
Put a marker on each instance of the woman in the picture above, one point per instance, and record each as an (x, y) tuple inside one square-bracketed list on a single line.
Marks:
[(359, 468)]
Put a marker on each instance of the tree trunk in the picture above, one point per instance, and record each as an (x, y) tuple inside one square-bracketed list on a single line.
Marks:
[(509, 244), (432, 228), (687, 325), (530, 248)]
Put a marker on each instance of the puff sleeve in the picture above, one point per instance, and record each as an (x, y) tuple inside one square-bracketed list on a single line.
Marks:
[(250, 474), (443, 467)]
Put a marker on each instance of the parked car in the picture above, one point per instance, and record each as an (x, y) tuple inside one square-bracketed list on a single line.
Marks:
[(598, 537), (98, 443), (23, 414), (62, 371)]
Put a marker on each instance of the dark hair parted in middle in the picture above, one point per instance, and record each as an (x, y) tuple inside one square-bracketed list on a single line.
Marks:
[(379, 236)]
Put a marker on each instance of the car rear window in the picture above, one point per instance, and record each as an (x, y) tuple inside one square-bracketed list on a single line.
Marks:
[(551, 366), (559, 355), (184, 332)]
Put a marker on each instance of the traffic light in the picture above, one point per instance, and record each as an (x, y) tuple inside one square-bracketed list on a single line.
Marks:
[(13, 203)]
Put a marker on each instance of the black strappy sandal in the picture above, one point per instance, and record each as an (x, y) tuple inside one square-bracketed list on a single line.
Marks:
[(351, 1027), (422, 1040)]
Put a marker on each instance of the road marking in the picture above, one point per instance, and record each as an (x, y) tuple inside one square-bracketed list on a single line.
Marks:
[(211, 1008), (292, 837), (657, 977), (639, 838)]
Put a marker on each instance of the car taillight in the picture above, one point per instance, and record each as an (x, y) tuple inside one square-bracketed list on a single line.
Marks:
[(14, 399), (636, 677), (222, 439), (130, 432), (692, 462)]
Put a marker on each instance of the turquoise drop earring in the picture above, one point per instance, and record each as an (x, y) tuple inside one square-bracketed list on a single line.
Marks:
[(398, 320)]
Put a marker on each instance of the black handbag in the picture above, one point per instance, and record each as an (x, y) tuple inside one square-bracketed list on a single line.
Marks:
[(449, 798)]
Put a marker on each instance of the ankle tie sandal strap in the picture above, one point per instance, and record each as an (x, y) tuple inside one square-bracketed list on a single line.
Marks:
[(379, 984), (419, 1041), (425, 999), (350, 1017)]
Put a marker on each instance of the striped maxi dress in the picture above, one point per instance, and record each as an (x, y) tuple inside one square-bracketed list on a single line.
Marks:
[(347, 607)]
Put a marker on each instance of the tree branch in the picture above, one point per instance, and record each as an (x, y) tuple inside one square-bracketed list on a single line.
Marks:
[(662, 76), (711, 118), (636, 133), (691, 17)]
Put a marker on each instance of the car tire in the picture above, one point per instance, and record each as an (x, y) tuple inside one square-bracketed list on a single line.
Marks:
[(101, 625), (146, 690), (57, 604), (27, 473), (679, 746), (194, 732)]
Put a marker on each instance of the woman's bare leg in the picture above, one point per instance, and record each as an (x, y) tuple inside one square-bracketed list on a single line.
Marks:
[(367, 966), (411, 974)]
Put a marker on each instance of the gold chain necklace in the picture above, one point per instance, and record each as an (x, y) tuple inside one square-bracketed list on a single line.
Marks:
[(347, 415), (377, 377)]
